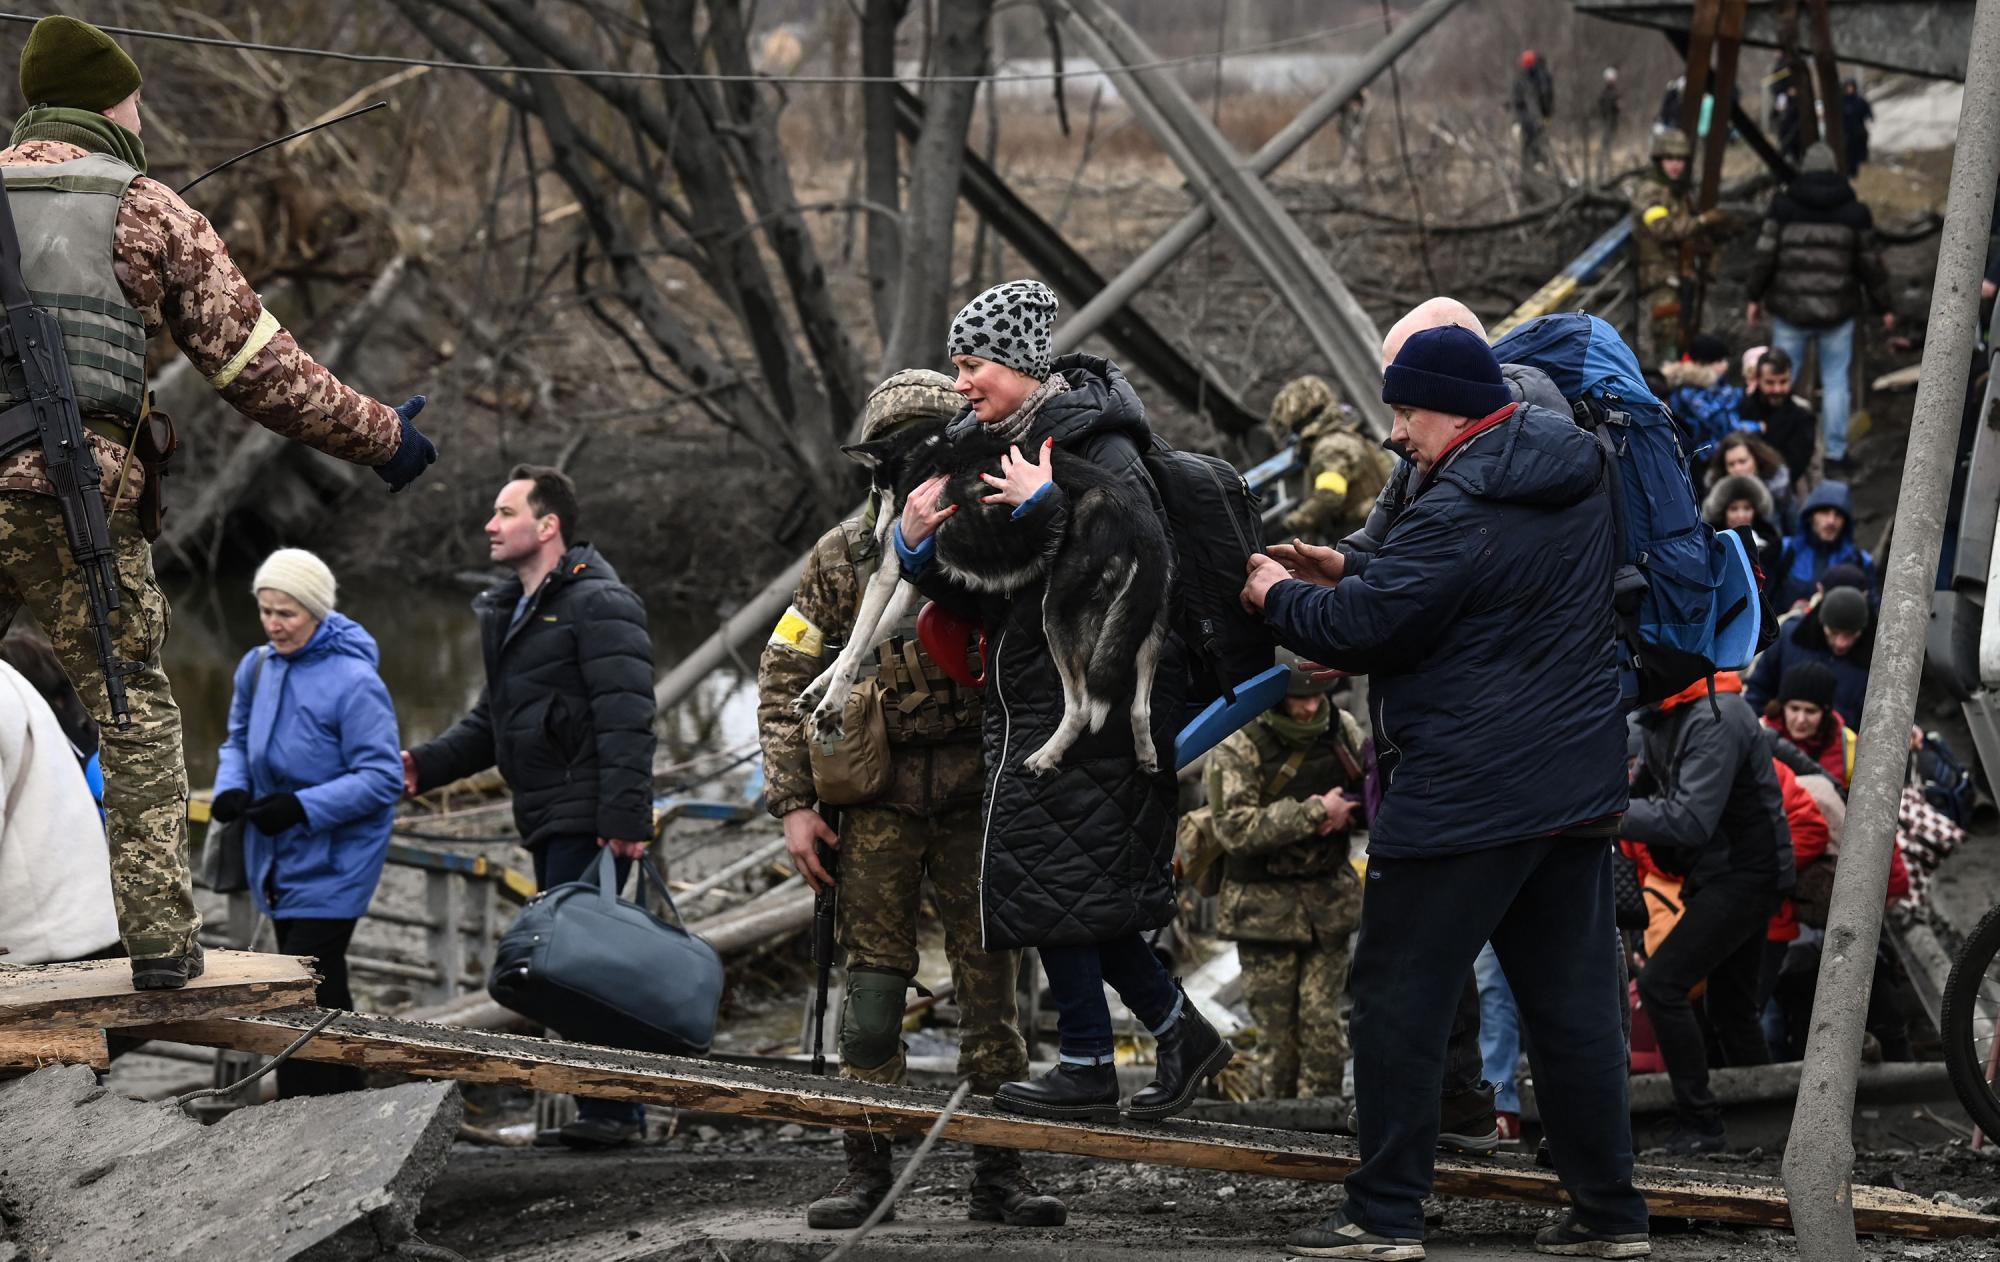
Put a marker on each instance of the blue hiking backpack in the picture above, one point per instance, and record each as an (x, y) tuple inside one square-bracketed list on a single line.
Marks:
[(1686, 597)]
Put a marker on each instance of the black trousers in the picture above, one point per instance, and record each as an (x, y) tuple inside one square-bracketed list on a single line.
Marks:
[(326, 941), (558, 861), (1720, 937), (1545, 905)]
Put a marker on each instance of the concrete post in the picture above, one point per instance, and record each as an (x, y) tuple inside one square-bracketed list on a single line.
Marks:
[(1819, 1160)]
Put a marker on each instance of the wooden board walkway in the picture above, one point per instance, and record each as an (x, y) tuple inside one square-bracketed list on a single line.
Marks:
[(96, 994), (385, 1043)]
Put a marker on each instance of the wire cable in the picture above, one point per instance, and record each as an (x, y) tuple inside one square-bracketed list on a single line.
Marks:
[(207, 1093), (904, 1179), (662, 76)]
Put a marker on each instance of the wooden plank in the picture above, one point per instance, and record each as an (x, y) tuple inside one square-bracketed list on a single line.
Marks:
[(32, 1049), (98, 993), (772, 1095)]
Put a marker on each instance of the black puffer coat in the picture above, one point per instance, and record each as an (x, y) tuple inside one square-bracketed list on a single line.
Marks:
[(567, 711), (1817, 254), (1084, 854)]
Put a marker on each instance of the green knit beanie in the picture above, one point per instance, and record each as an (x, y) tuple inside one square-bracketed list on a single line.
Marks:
[(72, 63)]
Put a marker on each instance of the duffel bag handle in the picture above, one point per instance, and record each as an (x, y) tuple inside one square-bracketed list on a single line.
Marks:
[(605, 875)]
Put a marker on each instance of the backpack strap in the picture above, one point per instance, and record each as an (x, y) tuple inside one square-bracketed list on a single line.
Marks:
[(1285, 773)]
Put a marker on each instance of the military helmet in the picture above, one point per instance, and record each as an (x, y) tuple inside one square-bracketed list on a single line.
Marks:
[(912, 395), (1671, 142), (1301, 400), (1301, 683)]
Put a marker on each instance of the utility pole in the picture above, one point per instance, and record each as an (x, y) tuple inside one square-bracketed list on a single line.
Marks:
[(1819, 1159)]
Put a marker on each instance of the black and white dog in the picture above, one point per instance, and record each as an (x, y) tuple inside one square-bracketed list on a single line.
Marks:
[(1105, 579)]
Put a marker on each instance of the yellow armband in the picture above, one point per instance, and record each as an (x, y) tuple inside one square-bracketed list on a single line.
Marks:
[(796, 631), (261, 334)]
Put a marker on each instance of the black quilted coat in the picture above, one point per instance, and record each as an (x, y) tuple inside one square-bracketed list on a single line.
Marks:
[(1085, 853), (1817, 255), (567, 711)]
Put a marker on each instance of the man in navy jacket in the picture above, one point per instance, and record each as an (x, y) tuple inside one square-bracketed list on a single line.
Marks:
[(1484, 622)]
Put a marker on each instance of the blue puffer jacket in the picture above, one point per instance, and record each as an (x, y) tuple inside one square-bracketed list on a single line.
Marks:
[(316, 723), (1807, 556), (1484, 624), (1804, 640)]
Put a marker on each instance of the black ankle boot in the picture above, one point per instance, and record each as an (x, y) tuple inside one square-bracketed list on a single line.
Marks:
[(1068, 1093), (1190, 1052), (1002, 1192)]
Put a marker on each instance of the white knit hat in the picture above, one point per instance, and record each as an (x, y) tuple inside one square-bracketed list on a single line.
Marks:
[(300, 575)]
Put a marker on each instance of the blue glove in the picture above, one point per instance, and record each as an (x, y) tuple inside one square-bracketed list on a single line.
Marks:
[(413, 455)]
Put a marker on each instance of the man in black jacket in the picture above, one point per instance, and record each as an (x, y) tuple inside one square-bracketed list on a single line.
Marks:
[(566, 714), (1484, 623), (1707, 805)]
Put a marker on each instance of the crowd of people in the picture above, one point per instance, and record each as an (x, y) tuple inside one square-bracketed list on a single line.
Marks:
[(1657, 889)]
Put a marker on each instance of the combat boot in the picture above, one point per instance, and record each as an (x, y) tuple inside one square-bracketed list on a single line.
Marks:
[(168, 972), (1003, 1193), (861, 1190), (1190, 1052)]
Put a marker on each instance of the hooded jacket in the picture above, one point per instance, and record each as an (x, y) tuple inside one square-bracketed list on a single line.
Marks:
[(1817, 254), (1083, 854), (316, 723), (1708, 406), (1484, 623), (1770, 549), (1807, 556), (1706, 804), (567, 711), (1804, 640)]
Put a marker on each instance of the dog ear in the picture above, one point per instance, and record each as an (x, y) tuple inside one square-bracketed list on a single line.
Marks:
[(868, 455)]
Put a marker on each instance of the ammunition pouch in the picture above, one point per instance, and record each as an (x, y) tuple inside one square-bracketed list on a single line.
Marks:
[(922, 704), (855, 768)]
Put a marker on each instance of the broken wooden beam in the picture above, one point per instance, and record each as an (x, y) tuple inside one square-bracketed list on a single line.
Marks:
[(383, 1043), (95, 994), (32, 1049)]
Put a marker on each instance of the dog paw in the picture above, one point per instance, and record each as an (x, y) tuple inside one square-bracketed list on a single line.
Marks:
[(1041, 762), (1148, 763), (826, 723)]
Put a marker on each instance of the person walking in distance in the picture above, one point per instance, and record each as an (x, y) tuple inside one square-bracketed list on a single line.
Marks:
[(117, 257), (566, 713)]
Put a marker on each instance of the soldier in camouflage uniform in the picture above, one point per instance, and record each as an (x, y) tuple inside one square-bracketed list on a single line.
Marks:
[(1283, 793), (116, 258), (1663, 219), (925, 823), (1344, 468)]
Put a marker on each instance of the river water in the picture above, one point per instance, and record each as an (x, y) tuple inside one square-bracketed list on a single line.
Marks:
[(431, 662)]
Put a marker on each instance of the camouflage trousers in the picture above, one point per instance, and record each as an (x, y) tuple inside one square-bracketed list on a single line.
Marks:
[(145, 777), (884, 857), (1658, 333), (1294, 996)]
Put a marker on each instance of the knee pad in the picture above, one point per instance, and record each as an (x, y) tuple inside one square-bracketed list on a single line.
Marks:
[(871, 1018)]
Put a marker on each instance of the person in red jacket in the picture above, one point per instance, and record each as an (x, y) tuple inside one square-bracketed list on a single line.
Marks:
[(1803, 713)]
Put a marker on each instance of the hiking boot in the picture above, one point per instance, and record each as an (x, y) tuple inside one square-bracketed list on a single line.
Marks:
[(1067, 1093), (1466, 1121), (168, 972), (860, 1190), (1003, 1193), (1694, 1135), (1341, 1237), (593, 1134), (1571, 1239), (1189, 1053)]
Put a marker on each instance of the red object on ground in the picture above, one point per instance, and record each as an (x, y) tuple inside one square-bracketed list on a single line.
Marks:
[(947, 637)]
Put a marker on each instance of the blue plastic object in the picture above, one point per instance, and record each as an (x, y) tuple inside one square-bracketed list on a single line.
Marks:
[(1223, 716)]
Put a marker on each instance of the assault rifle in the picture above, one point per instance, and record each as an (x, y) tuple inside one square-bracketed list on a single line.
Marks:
[(825, 903), (31, 345)]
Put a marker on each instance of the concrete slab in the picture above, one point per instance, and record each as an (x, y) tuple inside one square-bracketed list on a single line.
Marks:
[(89, 1175)]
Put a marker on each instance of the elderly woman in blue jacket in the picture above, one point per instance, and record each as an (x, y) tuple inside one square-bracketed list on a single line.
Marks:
[(311, 767)]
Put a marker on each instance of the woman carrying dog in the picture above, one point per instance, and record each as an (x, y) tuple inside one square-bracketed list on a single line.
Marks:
[(1076, 862)]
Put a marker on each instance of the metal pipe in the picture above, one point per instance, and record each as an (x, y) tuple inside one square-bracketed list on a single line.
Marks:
[(1175, 241), (754, 620), (1819, 1159)]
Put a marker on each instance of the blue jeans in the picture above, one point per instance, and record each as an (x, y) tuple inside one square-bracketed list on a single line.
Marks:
[(1836, 359), (1499, 1030), (1076, 981), (1545, 905)]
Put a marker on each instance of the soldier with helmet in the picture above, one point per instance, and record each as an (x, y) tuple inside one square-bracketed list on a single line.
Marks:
[(1344, 468), (921, 822), (1284, 792), (1663, 220)]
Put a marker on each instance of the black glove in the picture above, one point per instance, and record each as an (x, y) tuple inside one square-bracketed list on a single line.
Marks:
[(413, 455), (228, 805), (274, 814)]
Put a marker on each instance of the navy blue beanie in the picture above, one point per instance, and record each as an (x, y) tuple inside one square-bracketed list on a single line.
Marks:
[(1446, 370)]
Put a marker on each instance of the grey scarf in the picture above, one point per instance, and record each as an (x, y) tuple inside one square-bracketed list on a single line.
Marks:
[(1015, 427)]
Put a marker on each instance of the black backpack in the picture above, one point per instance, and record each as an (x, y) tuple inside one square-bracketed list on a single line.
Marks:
[(1216, 526)]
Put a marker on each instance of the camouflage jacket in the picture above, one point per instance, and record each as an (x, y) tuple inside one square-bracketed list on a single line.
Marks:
[(1344, 471), (1281, 880), (1663, 216), (176, 271), (933, 723)]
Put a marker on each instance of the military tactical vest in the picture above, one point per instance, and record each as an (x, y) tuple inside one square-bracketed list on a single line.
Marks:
[(1321, 768), (921, 704), (66, 214)]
